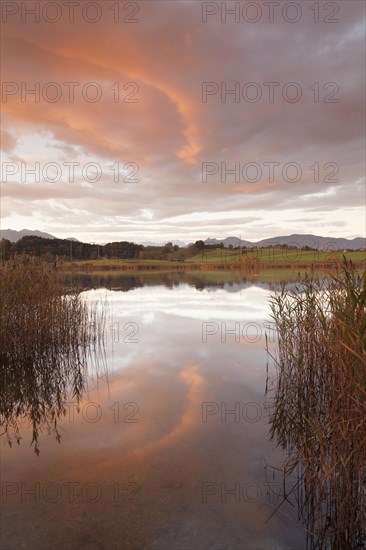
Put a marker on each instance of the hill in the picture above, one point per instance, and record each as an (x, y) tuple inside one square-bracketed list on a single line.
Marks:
[(14, 236), (297, 240)]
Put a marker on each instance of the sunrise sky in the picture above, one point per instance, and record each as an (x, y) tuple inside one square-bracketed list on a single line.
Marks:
[(132, 129)]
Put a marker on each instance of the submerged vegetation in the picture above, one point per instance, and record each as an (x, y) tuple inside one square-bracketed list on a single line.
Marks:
[(46, 339), (320, 404)]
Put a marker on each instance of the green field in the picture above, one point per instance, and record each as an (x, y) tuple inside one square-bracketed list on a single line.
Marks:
[(279, 256), (286, 259)]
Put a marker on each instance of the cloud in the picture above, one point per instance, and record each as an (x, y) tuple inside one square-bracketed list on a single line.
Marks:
[(150, 113)]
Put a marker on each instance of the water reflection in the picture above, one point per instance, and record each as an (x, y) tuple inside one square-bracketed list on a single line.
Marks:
[(29, 393), (34, 393), (148, 469), (230, 281)]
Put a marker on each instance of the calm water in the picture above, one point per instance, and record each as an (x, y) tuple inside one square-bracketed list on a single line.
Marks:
[(153, 459)]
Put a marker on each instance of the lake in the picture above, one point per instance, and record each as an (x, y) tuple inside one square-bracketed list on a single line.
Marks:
[(169, 446)]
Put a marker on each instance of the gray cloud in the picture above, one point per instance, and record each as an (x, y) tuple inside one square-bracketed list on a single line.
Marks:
[(170, 132)]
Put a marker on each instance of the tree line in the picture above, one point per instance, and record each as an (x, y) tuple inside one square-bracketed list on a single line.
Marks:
[(53, 249), (70, 250)]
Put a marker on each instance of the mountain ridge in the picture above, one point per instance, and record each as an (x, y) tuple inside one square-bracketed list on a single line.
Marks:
[(13, 235), (295, 239)]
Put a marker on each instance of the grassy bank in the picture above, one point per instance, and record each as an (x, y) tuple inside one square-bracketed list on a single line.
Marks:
[(320, 404)]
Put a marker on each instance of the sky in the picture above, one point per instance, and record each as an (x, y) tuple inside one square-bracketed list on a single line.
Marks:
[(152, 121)]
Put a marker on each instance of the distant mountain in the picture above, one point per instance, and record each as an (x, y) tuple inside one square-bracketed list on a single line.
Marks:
[(315, 241), (14, 236), (300, 241), (235, 241)]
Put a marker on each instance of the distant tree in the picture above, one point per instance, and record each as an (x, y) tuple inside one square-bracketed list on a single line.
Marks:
[(167, 249), (5, 249), (199, 245), (66, 248)]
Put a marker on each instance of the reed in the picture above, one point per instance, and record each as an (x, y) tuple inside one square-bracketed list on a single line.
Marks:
[(320, 403), (47, 339)]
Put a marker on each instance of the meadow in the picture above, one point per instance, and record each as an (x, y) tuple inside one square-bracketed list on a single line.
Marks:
[(228, 256)]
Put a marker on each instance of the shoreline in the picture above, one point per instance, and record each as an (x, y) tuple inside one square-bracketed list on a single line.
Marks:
[(251, 267)]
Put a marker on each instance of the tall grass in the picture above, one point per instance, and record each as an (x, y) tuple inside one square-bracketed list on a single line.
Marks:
[(320, 404), (46, 339)]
